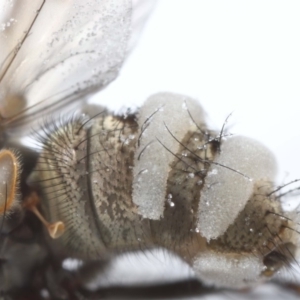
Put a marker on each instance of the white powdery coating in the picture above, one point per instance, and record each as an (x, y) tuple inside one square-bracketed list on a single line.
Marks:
[(228, 270), (226, 192), (151, 168), (148, 267)]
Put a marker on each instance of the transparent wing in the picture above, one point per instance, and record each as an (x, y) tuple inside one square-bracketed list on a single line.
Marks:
[(56, 52)]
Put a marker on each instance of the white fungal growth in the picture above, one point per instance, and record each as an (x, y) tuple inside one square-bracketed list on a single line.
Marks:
[(213, 269), (162, 116), (228, 190)]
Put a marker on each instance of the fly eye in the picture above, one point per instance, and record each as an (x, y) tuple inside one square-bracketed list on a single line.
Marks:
[(278, 258), (10, 210)]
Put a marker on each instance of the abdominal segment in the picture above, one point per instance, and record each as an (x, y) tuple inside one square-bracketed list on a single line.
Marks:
[(86, 177)]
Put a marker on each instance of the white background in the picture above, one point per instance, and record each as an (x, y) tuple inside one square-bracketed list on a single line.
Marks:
[(234, 56)]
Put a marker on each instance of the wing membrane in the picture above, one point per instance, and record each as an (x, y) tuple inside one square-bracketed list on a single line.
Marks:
[(57, 52)]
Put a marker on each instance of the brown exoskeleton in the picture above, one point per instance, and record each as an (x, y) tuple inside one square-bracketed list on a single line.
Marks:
[(112, 184)]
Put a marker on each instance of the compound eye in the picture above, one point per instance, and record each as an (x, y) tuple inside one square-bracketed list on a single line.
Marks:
[(8, 180)]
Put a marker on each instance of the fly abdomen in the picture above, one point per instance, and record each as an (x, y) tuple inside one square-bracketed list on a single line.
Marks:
[(110, 178), (162, 179)]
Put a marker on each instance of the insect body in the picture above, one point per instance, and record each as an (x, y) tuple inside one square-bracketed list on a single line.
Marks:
[(127, 184), (111, 184)]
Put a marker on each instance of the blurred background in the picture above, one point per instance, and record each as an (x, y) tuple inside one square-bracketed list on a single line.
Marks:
[(233, 56)]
